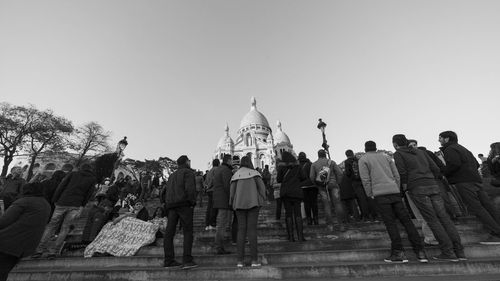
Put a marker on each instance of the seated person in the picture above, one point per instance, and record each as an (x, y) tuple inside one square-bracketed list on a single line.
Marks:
[(160, 219)]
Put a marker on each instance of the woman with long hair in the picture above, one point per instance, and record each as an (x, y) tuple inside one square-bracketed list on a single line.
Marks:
[(247, 195)]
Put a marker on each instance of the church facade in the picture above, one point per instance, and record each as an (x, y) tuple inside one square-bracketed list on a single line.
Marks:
[(255, 138)]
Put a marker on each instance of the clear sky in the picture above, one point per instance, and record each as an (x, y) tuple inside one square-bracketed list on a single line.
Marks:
[(171, 74)]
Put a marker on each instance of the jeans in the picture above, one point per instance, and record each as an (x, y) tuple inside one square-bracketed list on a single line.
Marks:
[(480, 204), (391, 208), (330, 195), (247, 225), (185, 215), (63, 216), (431, 205), (426, 231), (311, 202), (223, 219), (211, 214), (7, 263)]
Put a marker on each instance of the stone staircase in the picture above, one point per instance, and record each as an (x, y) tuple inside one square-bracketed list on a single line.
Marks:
[(356, 253)]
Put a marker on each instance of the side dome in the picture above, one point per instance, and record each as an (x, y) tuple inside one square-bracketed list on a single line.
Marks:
[(226, 139), (280, 136), (254, 117)]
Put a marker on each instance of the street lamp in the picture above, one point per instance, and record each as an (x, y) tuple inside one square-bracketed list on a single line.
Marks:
[(322, 126), (122, 144)]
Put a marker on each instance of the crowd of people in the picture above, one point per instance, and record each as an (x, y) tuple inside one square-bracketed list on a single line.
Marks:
[(371, 186)]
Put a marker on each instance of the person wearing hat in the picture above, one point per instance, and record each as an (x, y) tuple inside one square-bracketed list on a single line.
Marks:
[(180, 199), (381, 181), (418, 174)]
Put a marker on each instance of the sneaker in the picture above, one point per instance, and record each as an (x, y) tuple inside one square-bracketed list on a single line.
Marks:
[(51, 256), (189, 265), (397, 257), (492, 240), (443, 257), (256, 264), (36, 255), (172, 264), (460, 255), (422, 257), (239, 264)]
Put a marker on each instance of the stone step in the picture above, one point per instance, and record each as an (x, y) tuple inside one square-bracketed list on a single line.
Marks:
[(273, 245), (277, 271), (311, 257)]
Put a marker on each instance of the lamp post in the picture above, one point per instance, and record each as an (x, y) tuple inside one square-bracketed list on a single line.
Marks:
[(322, 126)]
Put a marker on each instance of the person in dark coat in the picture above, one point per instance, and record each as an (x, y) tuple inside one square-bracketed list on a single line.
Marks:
[(292, 179), (493, 163), (72, 194), (49, 187), (180, 199), (21, 227), (310, 191), (12, 187), (462, 170), (222, 186)]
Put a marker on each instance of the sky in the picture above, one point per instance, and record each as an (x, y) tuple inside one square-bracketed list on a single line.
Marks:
[(170, 74)]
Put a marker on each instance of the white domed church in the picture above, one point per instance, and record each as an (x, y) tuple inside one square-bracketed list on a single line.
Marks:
[(255, 139)]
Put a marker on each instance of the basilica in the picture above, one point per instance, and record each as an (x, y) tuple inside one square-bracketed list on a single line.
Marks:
[(255, 138)]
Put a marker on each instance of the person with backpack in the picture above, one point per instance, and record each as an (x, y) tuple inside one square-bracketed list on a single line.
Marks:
[(326, 174), (366, 205)]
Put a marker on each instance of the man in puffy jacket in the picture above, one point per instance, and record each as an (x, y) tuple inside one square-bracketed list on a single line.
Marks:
[(462, 170), (72, 194), (21, 227), (180, 199)]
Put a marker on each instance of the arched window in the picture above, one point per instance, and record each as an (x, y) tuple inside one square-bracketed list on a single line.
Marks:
[(249, 140)]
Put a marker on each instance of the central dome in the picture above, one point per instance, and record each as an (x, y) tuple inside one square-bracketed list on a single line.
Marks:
[(254, 117)]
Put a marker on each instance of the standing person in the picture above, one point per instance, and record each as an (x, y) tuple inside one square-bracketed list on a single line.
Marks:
[(266, 178), (70, 197), (366, 204), (418, 174), (247, 195), (310, 191), (222, 186), (381, 181), (493, 163), (199, 187), (180, 199), (49, 187), (291, 178), (211, 214), (276, 190), (462, 170), (21, 227), (327, 176), (12, 187)]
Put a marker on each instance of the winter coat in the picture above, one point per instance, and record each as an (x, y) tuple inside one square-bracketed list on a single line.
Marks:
[(247, 189), (461, 165), (222, 186), (181, 189), (75, 189), (335, 172), (209, 179), (378, 174), (305, 166), (415, 167), (22, 226), (12, 188), (291, 178)]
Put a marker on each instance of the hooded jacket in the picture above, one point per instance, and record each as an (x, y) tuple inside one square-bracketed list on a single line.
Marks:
[(247, 189), (75, 189), (378, 174), (222, 185), (181, 189), (415, 167), (461, 165)]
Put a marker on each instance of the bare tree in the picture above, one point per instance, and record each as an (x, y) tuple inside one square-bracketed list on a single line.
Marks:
[(89, 141), (50, 132), (16, 123)]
